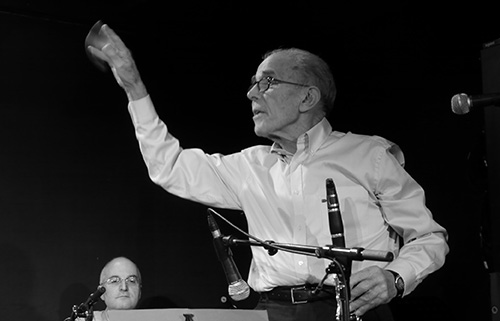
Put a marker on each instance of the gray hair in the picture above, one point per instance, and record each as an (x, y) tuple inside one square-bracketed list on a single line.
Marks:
[(312, 68)]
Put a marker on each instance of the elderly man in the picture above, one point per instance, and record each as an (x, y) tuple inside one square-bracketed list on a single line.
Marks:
[(280, 187)]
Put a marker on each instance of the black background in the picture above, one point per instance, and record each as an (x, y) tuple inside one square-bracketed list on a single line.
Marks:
[(74, 191)]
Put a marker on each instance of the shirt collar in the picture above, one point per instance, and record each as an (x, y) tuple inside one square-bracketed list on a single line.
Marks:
[(308, 142)]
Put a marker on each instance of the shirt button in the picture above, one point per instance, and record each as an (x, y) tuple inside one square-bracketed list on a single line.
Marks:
[(301, 263)]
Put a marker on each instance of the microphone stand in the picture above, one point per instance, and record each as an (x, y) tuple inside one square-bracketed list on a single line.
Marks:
[(81, 311), (86, 309), (327, 251), (346, 255)]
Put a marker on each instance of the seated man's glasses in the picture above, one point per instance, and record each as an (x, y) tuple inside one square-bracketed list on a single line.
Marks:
[(116, 280)]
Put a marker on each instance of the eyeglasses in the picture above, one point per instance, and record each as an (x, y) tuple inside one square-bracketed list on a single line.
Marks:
[(266, 82), (116, 280)]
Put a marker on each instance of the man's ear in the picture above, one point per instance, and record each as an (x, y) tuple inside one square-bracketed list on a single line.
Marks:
[(311, 99)]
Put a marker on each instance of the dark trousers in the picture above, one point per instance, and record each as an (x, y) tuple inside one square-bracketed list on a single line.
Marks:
[(323, 310)]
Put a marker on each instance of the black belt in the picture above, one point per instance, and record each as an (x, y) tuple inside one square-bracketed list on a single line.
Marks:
[(299, 294)]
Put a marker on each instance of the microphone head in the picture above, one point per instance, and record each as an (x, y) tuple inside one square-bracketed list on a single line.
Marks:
[(212, 225), (460, 104), (101, 289), (239, 290)]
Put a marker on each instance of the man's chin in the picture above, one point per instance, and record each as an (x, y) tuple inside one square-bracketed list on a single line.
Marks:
[(123, 306), (260, 132)]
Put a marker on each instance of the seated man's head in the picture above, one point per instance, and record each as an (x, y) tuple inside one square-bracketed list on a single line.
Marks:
[(122, 281)]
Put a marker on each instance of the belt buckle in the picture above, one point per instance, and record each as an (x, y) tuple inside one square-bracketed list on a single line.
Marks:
[(293, 297)]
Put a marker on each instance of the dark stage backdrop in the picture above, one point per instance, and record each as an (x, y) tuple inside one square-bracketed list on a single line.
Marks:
[(74, 191)]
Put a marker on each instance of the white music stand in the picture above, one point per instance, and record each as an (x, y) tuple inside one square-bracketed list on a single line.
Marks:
[(183, 315)]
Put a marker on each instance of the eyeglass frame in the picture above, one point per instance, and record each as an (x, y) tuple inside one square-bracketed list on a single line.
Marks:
[(120, 280), (271, 81)]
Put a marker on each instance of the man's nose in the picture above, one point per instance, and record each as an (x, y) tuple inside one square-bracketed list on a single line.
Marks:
[(123, 285), (253, 92)]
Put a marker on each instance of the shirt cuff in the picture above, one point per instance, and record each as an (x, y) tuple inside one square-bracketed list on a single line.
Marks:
[(406, 274), (142, 110)]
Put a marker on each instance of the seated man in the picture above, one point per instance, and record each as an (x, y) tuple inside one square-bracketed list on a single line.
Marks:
[(122, 280)]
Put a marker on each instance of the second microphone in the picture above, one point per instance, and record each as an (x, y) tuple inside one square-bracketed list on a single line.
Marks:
[(238, 289)]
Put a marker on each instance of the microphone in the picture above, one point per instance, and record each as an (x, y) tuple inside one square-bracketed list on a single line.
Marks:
[(84, 310), (94, 297), (238, 289), (463, 103)]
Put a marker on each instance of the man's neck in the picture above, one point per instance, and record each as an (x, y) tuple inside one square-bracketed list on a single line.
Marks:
[(289, 142)]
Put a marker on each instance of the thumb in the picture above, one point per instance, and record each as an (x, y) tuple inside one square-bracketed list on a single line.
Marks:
[(117, 76), (96, 53)]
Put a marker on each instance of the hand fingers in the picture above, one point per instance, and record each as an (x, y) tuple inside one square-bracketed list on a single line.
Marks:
[(369, 289), (366, 301), (97, 53), (359, 289), (105, 45), (113, 37), (115, 57)]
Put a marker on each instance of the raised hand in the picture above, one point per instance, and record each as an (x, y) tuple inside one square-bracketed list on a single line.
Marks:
[(105, 45)]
